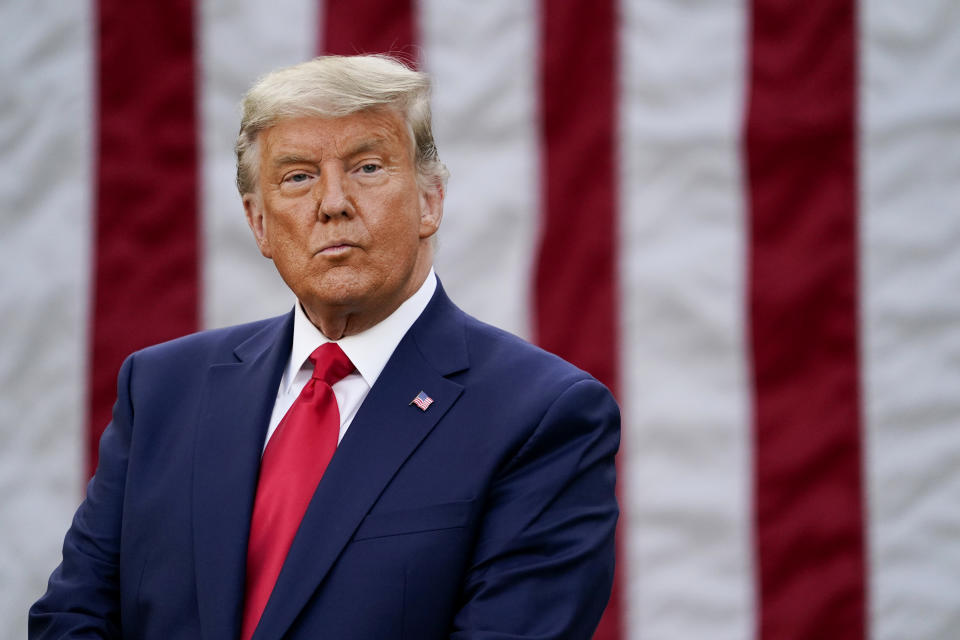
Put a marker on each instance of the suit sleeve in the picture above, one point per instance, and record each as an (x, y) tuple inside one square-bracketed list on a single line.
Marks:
[(544, 557), (83, 594)]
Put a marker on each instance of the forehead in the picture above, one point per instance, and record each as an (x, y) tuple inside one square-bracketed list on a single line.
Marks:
[(381, 130)]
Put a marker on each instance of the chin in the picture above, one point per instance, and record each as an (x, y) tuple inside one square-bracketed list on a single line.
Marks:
[(335, 298), (340, 292)]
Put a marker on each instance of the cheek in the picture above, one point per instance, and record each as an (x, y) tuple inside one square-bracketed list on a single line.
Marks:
[(291, 218), (288, 239), (402, 216)]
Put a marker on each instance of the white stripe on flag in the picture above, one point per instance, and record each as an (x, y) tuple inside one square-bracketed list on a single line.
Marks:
[(910, 234), (687, 423), (239, 41), (45, 189), (484, 57)]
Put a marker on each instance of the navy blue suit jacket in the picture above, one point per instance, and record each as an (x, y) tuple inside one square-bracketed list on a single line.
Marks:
[(489, 515)]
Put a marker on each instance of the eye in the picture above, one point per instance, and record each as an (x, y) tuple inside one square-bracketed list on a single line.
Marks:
[(297, 177), (369, 168)]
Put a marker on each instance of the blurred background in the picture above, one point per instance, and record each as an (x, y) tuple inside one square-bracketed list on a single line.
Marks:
[(743, 217)]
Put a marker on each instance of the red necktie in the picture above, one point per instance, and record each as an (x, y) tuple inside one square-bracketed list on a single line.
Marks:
[(296, 456)]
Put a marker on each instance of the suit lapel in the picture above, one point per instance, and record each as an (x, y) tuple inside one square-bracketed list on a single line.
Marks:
[(238, 400), (385, 431)]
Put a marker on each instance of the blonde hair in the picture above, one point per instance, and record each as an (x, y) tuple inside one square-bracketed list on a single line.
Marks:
[(332, 87)]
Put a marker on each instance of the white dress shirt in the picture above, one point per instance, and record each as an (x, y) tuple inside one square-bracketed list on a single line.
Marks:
[(368, 351)]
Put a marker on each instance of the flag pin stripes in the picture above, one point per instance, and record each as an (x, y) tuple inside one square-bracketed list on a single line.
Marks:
[(422, 400)]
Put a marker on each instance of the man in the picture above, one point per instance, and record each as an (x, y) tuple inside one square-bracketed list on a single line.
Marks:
[(471, 493)]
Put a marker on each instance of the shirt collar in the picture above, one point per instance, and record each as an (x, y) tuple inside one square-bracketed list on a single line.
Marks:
[(368, 350)]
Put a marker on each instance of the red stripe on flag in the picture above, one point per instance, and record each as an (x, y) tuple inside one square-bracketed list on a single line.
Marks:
[(800, 144), (368, 26), (145, 280), (576, 307)]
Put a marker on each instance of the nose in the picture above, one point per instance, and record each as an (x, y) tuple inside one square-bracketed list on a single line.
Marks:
[(334, 200)]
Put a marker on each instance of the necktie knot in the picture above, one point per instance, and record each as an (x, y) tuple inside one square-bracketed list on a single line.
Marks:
[(330, 363)]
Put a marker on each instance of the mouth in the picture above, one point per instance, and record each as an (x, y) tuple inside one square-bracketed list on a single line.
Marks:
[(335, 248)]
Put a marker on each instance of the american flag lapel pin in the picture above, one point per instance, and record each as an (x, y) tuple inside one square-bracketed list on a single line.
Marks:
[(422, 400)]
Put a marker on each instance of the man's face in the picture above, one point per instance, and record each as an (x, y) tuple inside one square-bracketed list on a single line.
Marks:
[(339, 210)]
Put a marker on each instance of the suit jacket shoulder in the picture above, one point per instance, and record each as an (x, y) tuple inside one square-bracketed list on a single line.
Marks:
[(215, 345)]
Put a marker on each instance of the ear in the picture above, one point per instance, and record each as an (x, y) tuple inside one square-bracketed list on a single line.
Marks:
[(253, 205), (431, 209)]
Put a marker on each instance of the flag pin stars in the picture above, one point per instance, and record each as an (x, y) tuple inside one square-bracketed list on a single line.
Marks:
[(422, 400)]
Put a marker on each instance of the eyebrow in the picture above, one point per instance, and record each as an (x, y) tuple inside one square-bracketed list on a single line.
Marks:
[(363, 146), (291, 159)]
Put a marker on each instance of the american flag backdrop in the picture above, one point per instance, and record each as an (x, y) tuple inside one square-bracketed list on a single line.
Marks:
[(743, 217)]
